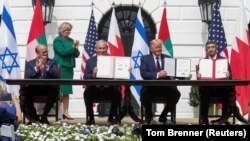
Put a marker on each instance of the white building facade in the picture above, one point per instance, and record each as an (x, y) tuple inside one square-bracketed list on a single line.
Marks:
[(188, 33)]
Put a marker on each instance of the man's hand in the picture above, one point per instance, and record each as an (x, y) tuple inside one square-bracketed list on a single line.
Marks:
[(162, 73), (130, 70), (198, 75), (95, 72), (41, 63), (189, 77), (228, 74)]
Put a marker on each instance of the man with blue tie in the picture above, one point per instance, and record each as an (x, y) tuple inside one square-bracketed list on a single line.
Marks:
[(151, 68), (102, 91)]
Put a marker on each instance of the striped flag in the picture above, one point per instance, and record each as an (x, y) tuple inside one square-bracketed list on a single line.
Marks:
[(89, 45), (140, 47), (114, 38), (216, 31), (164, 35), (9, 58), (36, 34)]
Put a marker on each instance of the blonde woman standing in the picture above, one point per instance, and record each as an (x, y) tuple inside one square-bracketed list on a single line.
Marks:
[(65, 52)]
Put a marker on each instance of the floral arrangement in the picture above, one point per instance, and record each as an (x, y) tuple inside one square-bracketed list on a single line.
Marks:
[(76, 132)]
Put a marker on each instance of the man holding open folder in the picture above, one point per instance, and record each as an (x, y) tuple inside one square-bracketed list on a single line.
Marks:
[(152, 68), (102, 91), (205, 92)]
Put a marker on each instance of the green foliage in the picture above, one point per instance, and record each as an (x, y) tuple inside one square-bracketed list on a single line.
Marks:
[(72, 132), (194, 97)]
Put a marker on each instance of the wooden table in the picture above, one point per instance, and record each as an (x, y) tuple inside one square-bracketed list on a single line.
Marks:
[(128, 108)]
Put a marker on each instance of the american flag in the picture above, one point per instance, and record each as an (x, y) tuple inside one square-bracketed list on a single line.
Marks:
[(216, 31), (89, 45)]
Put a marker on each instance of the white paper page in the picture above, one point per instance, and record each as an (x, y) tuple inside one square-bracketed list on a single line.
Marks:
[(169, 66), (122, 65), (105, 67), (221, 68), (183, 67), (206, 68)]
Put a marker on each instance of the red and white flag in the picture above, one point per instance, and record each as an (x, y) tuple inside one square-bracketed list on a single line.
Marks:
[(114, 38), (240, 56), (115, 41)]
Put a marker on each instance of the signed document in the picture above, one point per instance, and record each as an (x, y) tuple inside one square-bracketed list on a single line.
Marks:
[(113, 67), (121, 68), (169, 66), (183, 67), (213, 69), (177, 67), (221, 68), (206, 68), (105, 65)]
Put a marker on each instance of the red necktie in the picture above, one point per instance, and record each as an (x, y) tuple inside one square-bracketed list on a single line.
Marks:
[(158, 66), (42, 70)]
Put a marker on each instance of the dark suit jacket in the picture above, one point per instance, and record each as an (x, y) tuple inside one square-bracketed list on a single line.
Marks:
[(90, 65), (148, 67), (149, 72), (6, 116), (51, 73)]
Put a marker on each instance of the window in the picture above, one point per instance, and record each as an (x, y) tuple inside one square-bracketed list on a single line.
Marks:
[(126, 16)]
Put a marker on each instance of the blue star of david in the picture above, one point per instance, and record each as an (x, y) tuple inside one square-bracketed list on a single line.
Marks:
[(136, 59), (8, 60)]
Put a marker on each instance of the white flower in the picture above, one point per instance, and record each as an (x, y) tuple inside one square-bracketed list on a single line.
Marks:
[(62, 131)]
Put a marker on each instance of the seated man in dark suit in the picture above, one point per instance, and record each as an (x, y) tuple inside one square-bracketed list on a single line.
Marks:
[(151, 68), (205, 92), (91, 92), (41, 67)]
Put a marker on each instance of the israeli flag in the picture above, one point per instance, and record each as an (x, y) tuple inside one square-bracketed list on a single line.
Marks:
[(9, 59), (140, 47)]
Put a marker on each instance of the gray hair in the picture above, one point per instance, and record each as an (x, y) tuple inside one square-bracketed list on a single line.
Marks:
[(64, 26), (101, 41)]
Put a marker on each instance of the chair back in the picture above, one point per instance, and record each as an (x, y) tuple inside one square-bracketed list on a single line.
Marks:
[(8, 131)]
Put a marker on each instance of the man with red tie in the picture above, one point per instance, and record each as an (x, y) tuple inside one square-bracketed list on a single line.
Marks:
[(41, 67), (151, 68)]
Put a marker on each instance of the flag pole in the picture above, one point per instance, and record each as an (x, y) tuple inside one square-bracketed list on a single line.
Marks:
[(92, 5), (113, 5), (165, 4)]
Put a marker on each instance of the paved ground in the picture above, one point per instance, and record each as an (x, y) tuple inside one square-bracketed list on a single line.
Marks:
[(129, 121)]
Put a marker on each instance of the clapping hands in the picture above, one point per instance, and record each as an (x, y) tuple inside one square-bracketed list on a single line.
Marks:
[(76, 43)]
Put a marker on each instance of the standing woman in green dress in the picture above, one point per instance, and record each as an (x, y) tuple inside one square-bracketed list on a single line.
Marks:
[(65, 52)]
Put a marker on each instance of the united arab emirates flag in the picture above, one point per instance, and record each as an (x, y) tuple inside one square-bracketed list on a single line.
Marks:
[(37, 33), (164, 35)]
